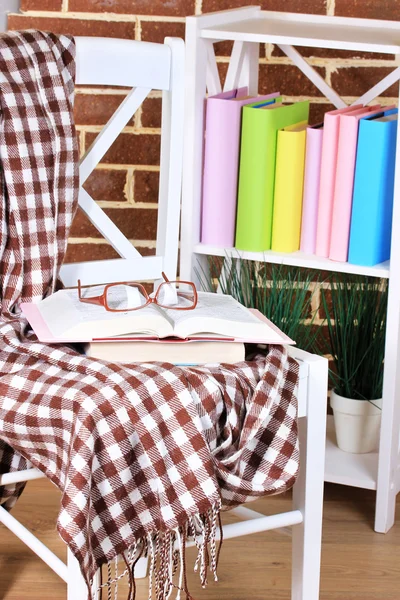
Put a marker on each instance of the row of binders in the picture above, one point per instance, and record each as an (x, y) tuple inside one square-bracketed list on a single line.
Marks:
[(273, 182)]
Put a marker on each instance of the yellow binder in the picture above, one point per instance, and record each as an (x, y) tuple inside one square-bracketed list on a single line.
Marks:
[(288, 193)]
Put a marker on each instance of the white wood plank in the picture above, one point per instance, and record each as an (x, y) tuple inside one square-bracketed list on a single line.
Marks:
[(307, 30), (170, 186), (296, 259), (212, 77), (201, 22), (250, 67), (18, 476), (308, 490), (235, 66), (111, 61), (195, 92), (390, 425), (357, 470), (76, 588)]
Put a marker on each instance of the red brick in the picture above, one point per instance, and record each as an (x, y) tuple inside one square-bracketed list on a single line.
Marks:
[(368, 9), (118, 29), (95, 109), (151, 112), (153, 31), (131, 149), (328, 297), (145, 251), (288, 80), (224, 48), (176, 8), (317, 112), (334, 53), (135, 223), (222, 71), (107, 184), (41, 5), (145, 188), (305, 6), (355, 81), (85, 252)]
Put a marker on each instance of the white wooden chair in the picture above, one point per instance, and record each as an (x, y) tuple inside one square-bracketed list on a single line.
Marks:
[(160, 66), (144, 67)]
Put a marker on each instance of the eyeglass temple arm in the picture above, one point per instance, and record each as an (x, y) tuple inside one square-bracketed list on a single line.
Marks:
[(164, 276)]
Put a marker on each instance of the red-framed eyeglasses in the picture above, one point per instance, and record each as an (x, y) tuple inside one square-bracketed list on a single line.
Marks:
[(127, 296)]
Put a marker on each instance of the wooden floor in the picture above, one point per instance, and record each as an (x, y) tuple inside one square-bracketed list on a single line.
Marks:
[(357, 564)]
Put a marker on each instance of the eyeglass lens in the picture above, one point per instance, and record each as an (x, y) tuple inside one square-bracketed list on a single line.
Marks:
[(125, 297), (175, 295)]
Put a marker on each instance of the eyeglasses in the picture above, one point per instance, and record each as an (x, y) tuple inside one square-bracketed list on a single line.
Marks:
[(122, 296)]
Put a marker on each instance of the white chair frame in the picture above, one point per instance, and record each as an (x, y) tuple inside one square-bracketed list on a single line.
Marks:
[(106, 61), (146, 67)]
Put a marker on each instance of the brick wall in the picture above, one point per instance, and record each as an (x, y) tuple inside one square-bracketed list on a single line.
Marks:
[(126, 182)]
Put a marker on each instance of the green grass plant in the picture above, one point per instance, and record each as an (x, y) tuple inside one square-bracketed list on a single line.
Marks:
[(281, 293), (356, 317)]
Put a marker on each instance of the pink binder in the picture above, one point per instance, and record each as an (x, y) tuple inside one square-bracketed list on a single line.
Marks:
[(343, 191), (312, 171), (327, 178), (221, 161)]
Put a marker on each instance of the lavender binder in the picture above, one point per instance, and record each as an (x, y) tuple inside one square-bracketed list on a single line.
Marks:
[(221, 161), (312, 171)]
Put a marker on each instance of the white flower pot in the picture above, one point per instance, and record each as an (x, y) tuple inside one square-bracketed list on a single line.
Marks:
[(357, 423)]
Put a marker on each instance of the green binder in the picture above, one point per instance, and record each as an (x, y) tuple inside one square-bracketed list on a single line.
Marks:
[(257, 171)]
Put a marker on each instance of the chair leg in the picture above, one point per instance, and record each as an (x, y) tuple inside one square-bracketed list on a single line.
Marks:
[(141, 568), (308, 490), (76, 585)]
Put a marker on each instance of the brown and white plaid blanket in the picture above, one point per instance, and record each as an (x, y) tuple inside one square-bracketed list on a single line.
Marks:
[(144, 455)]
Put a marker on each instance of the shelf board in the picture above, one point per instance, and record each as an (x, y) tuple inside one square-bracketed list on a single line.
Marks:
[(312, 30), (299, 259), (356, 470)]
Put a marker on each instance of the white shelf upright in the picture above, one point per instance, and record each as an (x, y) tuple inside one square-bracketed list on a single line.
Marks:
[(248, 27)]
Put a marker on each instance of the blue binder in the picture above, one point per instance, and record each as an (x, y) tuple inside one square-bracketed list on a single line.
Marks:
[(371, 219)]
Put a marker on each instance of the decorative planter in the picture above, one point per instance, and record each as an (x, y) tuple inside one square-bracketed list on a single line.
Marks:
[(357, 423)]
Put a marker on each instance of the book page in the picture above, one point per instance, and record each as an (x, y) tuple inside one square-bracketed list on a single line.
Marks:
[(66, 316), (223, 315)]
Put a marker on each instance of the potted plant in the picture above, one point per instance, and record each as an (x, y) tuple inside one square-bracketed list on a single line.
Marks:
[(283, 294), (355, 307)]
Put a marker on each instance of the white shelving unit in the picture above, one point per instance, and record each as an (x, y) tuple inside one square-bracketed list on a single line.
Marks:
[(248, 27)]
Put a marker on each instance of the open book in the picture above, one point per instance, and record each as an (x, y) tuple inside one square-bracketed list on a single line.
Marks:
[(63, 318)]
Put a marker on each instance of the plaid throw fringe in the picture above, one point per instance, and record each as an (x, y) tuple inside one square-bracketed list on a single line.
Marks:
[(146, 455)]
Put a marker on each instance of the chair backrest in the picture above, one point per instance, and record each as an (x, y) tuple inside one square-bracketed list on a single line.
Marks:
[(145, 66)]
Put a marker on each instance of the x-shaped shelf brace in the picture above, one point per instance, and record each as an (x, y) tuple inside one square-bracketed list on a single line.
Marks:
[(241, 71)]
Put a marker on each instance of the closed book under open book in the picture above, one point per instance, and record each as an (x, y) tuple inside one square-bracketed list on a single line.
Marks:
[(63, 318), (177, 352)]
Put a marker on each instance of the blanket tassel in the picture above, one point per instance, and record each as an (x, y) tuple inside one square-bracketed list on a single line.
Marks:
[(167, 554)]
